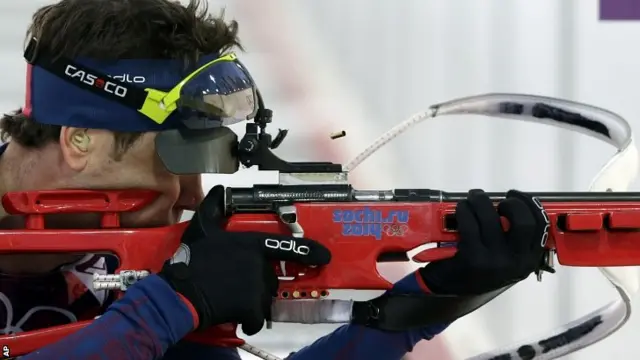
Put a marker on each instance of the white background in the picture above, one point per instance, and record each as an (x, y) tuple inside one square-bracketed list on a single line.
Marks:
[(364, 65)]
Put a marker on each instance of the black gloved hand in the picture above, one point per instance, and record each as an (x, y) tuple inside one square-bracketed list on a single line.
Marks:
[(227, 276), (488, 257)]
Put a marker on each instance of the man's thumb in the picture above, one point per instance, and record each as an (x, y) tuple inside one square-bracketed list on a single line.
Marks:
[(207, 219)]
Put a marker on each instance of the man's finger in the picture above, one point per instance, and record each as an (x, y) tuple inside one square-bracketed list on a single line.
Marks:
[(286, 248), (488, 218), (540, 215), (522, 224), (207, 219), (532, 203), (468, 229), (267, 302), (270, 279)]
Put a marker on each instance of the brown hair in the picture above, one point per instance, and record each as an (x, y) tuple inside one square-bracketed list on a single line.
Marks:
[(119, 29)]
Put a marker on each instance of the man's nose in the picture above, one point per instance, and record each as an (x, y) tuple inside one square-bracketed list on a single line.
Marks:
[(191, 193)]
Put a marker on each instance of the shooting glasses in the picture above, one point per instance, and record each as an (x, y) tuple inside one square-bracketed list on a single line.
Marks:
[(192, 115)]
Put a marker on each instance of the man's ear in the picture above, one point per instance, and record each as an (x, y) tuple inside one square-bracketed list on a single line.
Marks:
[(76, 145)]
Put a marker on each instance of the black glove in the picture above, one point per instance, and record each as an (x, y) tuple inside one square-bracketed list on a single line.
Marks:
[(227, 276), (488, 257)]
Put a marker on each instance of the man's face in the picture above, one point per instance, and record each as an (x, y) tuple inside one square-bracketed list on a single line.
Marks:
[(138, 168), (87, 162)]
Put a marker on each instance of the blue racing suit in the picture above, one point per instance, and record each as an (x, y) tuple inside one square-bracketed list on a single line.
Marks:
[(149, 321)]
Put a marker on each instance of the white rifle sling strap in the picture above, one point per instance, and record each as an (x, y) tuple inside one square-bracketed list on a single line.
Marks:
[(616, 175)]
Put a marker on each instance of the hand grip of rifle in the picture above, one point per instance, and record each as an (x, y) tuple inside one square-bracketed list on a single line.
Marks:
[(448, 250)]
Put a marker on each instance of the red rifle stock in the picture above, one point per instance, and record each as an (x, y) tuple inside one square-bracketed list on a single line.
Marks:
[(587, 229)]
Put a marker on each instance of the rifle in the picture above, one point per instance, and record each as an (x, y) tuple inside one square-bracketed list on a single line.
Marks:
[(597, 228)]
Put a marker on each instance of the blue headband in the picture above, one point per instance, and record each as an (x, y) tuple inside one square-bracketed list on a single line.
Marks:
[(52, 100)]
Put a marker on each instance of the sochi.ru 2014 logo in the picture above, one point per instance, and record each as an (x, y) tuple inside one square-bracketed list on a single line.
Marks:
[(367, 222), (619, 10)]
